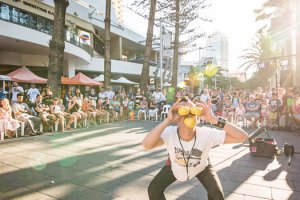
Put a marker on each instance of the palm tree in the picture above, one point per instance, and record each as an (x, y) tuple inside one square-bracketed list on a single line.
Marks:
[(107, 57), (57, 46), (280, 20), (259, 51), (145, 70)]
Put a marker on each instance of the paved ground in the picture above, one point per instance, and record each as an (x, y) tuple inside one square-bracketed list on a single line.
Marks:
[(107, 162)]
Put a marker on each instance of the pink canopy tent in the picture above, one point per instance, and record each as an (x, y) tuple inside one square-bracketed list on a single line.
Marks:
[(84, 80), (24, 75)]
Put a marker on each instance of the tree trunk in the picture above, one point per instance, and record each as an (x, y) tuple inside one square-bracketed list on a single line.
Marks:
[(57, 46), (176, 47), (145, 71), (297, 74), (107, 58)]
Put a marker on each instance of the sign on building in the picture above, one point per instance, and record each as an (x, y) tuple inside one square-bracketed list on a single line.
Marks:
[(152, 81)]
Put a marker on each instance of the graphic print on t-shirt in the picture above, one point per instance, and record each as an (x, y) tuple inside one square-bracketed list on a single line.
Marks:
[(195, 157)]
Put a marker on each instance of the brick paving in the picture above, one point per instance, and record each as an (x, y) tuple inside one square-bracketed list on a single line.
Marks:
[(107, 162)]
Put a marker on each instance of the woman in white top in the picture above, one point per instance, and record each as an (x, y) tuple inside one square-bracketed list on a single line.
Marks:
[(7, 123), (58, 110)]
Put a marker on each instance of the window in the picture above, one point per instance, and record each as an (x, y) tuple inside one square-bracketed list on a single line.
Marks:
[(33, 21), (24, 19), (15, 15), (4, 11)]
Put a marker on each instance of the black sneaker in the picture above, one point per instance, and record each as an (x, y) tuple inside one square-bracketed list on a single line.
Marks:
[(32, 134)]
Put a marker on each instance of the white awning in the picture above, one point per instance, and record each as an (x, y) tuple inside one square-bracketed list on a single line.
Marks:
[(124, 80), (99, 78), (4, 78), (121, 80)]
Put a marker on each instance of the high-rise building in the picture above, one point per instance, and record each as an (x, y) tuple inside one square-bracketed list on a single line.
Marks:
[(218, 43), (118, 7)]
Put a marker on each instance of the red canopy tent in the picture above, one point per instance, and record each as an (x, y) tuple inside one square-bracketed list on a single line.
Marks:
[(24, 75), (84, 80), (68, 81)]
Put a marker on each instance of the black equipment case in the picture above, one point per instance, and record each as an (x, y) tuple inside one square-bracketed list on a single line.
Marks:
[(262, 147)]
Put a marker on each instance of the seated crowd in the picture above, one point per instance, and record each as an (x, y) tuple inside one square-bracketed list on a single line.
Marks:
[(40, 112)]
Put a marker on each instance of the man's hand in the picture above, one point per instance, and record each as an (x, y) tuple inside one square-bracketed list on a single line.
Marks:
[(173, 116), (207, 114)]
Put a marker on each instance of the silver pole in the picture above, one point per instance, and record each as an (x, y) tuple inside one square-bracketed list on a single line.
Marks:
[(200, 77), (161, 55)]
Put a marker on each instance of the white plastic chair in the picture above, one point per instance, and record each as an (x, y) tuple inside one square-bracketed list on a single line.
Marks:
[(165, 111), (155, 115), (22, 127), (144, 112), (57, 123)]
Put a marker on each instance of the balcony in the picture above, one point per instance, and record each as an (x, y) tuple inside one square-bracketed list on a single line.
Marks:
[(29, 20)]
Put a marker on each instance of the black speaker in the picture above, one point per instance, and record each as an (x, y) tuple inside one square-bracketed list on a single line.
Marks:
[(286, 78)]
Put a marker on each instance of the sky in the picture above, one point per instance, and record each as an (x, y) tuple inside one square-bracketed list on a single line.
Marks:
[(234, 18)]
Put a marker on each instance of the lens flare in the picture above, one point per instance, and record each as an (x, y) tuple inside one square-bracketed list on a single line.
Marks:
[(38, 161)]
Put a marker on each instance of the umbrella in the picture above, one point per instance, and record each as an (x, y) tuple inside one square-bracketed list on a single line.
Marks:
[(4, 78)]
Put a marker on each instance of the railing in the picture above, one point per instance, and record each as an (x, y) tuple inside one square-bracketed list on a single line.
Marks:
[(41, 24)]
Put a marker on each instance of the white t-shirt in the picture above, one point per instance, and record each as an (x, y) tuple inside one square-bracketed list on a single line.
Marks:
[(206, 138), (109, 94), (33, 92), (15, 92), (157, 96)]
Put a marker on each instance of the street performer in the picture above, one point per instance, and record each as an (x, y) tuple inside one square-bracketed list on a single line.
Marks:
[(188, 146)]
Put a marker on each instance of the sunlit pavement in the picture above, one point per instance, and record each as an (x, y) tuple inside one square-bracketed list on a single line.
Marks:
[(108, 162)]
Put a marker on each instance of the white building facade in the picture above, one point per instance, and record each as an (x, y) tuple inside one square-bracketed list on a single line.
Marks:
[(26, 28), (218, 44)]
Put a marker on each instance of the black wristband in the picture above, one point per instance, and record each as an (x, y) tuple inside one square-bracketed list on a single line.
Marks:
[(221, 122)]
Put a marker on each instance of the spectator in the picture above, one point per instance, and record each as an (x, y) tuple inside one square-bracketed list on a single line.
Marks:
[(205, 95), (219, 107), (7, 123), (79, 96), (235, 100), (138, 98), (274, 104), (131, 105), (130, 94), (14, 91), (43, 111), (143, 108), (47, 95), (58, 110), (21, 111), (93, 97), (296, 108), (152, 109), (75, 109), (68, 97), (116, 104), (252, 111), (87, 107), (228, 110), (108, 107), (157, 94), (240, 114), (33, 92), (101, 113), (264, 111), (101, 95), (109, 93), (125, 107)]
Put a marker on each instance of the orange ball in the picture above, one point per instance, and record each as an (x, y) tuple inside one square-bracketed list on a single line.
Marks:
[(190, 122), (183, 110), (196, 111)]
